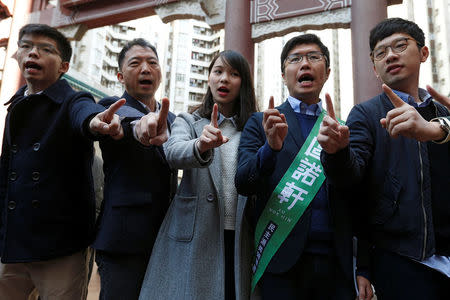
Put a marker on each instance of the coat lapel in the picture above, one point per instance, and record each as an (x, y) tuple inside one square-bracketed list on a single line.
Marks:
[(214, 168)]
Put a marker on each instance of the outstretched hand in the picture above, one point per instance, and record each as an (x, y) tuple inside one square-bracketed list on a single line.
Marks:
[(405, 120), (107, 122), (439, 97), (151, 129), (275, 126), (211, 135), (332, 135)]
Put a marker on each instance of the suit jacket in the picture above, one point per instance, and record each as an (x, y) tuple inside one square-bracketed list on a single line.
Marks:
[(46, 188), (188, 259), (137, 187), (252, 180)]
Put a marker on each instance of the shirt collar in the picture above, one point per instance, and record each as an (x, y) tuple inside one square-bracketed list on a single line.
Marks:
[(423, 95), (301, 107), (157, 109), (223, 118), (27, 93), (56, 92)]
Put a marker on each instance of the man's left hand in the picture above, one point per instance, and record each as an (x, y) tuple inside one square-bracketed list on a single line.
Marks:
[(151, 129), (439, 97)]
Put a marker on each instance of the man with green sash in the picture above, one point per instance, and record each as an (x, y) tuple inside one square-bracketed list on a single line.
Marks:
[(303, 235)]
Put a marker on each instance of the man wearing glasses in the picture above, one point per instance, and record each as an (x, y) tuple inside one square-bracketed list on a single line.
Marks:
[(395, 148), (314, 260), (47, 201)]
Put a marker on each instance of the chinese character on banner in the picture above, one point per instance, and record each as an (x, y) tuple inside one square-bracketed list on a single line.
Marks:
[(272, 227), (263, 242), (307, 171), (314, 149), (288, 192)]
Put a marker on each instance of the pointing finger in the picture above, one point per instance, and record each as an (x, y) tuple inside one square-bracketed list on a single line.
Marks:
[(271, 105), (109, 113), (439, 97), (214, 116), (330, 108), (396, 101), (162, 120)]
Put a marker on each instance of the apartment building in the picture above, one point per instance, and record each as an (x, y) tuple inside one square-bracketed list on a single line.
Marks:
[(191, 47), (94, 64)]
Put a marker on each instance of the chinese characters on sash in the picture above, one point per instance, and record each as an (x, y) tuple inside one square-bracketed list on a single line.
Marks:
[(304, 175)]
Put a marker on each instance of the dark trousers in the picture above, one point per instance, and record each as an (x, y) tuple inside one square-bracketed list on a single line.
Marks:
[(121, 275), (397, 277), (230, 292), (314, 277)]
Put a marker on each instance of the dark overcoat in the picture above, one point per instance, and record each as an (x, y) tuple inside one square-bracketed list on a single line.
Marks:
[(138, 185), (46, 188)]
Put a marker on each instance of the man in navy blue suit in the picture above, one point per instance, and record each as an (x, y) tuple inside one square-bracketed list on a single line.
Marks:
[(138, 180), (46, 187), (315, 259)]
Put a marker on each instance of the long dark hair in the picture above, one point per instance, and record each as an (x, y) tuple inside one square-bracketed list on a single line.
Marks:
[(245, 103)]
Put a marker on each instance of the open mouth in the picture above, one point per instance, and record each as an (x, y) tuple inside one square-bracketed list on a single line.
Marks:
[(305, 79), (32, 66), (223, 90), (146, 82)]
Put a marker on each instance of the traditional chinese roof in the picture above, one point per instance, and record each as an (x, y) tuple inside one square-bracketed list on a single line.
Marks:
[(4, 11)]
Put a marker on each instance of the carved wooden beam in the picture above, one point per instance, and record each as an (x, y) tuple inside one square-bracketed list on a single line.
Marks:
[(73, 3), (270, 10), (96, 13)]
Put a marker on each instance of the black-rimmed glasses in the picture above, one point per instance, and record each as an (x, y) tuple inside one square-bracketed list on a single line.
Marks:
[(397, 46)]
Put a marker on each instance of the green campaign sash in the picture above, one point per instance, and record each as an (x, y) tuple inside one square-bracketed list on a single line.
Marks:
[(288, 201)]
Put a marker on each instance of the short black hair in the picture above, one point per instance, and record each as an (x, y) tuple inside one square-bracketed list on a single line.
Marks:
[(136, 42), (62, 42), (390, 26), (245, 103), (308, 38)]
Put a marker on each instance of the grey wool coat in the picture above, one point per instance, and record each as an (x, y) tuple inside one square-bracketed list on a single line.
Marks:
[(187, 260)]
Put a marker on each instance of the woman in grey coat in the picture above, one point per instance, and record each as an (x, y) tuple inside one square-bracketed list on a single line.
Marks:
[(204, 247)]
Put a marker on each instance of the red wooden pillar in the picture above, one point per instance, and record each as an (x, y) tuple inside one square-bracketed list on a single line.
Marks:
[(365, 15), (238, 31)]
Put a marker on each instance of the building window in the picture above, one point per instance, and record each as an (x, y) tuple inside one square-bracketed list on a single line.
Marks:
[(179, 92), (180, 77)]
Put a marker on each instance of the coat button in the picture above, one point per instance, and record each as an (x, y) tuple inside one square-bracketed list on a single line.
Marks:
[(210, 197), (35, 176), (11, 205), (14, 148), (35, 203), (13, 176), (36, 146)]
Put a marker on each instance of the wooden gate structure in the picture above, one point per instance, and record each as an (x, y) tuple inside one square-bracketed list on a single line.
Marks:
[(245, 22)]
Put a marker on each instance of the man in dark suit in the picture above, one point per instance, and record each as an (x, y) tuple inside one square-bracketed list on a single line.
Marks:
[(46, 188), (138, 180), (315, 259)]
